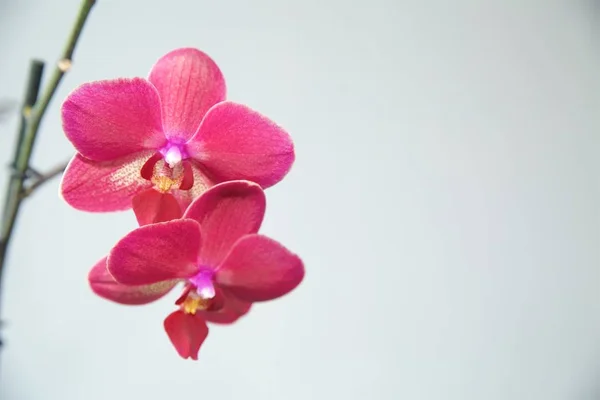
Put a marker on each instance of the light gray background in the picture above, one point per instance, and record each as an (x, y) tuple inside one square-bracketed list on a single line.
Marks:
[(445, 200)]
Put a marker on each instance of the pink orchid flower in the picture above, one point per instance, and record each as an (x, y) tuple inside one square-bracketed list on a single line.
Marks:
[(172, 133), (215, 251)]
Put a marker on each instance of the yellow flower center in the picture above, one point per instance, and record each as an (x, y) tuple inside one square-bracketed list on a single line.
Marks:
[(194, 303), (164, 184)]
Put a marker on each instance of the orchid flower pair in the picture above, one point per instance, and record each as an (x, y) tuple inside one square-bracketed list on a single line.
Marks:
[(192, 166)]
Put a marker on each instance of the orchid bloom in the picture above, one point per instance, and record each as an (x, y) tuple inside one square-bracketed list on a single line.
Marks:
[(214, 249), (172, 134)]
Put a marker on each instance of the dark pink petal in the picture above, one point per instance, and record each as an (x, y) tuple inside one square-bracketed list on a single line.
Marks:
[(183, 197), (229, 311), (235, 142), (187, 182), (187, 333), (189, 83), (105, 286), (147, 170), (155, 253), (103, 186), (152, 206), (226, 212), (110, 119), (259, 269)]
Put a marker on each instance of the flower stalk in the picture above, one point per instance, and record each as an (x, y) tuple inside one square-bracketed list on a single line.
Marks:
[(33, 111)]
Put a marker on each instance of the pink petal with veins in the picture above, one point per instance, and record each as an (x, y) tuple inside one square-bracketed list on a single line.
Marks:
[(226, 212), (105, 286), (236, 142), (103, 186), (189, 83), (110, 119), (187, 333), (259, 269), (155, 253)]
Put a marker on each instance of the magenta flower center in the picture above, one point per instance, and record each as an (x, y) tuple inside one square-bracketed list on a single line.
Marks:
[(169, 169), (203, 282), (174, 153), (200, 293)]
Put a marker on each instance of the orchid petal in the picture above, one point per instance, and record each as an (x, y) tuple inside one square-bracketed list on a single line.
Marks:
[(105, 286), (110, 119), (189, 83), (230, 310), (152, 206), (103, 186), (259, 269), (235, 142), (155, 253), (226, 212), (187, 333)]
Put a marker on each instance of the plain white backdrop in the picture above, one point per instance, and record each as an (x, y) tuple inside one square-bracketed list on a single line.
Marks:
[(445, 200)]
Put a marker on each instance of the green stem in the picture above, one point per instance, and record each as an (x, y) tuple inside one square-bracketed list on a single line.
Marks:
[(33, 114), (36, 70)]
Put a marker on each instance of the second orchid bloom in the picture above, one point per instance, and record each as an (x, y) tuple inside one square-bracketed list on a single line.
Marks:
[(162, 146), (215, 251)]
